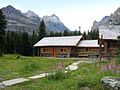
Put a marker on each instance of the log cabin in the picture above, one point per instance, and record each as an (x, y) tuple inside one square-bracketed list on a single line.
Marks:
[(108, 36), (57, 46), (67, 46)]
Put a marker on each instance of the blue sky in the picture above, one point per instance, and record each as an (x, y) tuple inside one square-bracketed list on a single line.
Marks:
[(73, 13)]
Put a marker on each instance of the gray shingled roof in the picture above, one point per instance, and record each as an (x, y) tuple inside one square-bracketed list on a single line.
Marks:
[(109, 32), (59, 41), (88, 43)]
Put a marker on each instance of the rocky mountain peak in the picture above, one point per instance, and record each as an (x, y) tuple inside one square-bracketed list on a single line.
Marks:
[(53, 15), (52, 18), (53, 23), (31, 14), (95, 22), (10, 8), (118, 10)]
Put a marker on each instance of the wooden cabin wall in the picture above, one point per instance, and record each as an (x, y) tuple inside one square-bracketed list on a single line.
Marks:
[(110, 48), (87, 51), (55, 51), (73, 52), (46, 51), (63, 51), (69, 51)]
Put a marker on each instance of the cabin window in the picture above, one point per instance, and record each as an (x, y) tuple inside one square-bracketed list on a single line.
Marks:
[(61, 50), (86, 49), (65, 50), (44, 50)]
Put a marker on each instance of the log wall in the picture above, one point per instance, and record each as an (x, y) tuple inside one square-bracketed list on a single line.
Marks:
[(87, 51), (55, 51)]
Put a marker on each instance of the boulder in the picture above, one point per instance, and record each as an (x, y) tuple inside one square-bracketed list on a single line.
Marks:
[(111, 83), (2, 85)]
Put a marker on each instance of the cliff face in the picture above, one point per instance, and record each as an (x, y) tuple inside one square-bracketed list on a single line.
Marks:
[(115, 17)]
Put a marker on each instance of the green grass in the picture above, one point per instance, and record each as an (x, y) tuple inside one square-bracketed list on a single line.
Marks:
[(56, 76), (88, 75), (14, 66)]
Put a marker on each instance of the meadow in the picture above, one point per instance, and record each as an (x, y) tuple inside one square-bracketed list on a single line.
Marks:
[(15, 66), (87, 77)]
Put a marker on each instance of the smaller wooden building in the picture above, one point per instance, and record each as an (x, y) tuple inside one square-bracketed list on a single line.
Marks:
[(88, 48), (108, 36)]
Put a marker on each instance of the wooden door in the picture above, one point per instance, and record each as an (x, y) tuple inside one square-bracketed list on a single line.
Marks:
[(54, 52)]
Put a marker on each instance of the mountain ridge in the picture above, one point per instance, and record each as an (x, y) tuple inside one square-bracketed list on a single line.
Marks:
[(29, 21)]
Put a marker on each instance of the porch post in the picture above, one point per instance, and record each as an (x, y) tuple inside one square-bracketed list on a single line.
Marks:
[(100, 47), (108, 51), (38, 51)]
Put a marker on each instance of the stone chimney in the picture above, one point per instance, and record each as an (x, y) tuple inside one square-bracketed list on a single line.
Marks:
[(110, 23)]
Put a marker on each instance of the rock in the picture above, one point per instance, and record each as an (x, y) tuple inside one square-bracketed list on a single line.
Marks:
[(72, 67), (111, 83), (2, 85), (14, 81)]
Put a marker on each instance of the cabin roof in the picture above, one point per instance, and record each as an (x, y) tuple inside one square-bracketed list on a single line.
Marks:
[(59, 41), (88, 43), (109, 32)]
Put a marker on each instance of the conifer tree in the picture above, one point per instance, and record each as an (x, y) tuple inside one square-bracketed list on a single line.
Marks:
[(79, 32), (33, 40), (84, 35), (3, 24), (8, 43), (75, 33), (65, 33), (42, 30), (26, 45)]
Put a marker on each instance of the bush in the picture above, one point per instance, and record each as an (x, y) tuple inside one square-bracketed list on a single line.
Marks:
[(59, 75), (118, 60), (1, 53), (18, 57), (83, 83), (30, 67)]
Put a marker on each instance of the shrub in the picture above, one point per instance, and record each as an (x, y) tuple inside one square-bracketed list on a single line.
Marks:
[(86, 82), (30, 67), (18, 57), (83, 83), (1, 53), (118, 60), (59, 75)]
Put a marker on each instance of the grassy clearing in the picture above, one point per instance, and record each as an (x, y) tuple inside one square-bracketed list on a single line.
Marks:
[(88, 75), (13, 66)]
